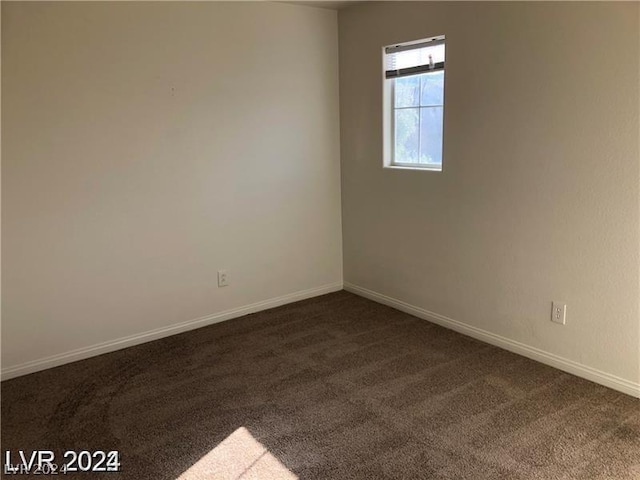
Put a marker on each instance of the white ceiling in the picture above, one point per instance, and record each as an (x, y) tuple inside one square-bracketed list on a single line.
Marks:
[(334, 5)]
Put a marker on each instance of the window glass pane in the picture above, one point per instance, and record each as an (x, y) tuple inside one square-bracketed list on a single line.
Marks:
[(432, 88), (407, 132), (431, 135), (407, 91)]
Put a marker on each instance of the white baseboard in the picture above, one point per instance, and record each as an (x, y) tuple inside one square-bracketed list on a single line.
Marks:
[(120, 343), (564, 364)]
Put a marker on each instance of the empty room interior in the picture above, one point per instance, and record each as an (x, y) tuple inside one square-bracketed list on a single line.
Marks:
[(320, 240)]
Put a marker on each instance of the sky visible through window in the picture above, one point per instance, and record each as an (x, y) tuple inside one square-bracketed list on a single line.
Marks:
[(418, 110)]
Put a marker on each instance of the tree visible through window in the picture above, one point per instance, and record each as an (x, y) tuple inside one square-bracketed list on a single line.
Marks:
[(414, 77)]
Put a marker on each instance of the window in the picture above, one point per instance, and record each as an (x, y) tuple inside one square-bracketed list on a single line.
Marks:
[(414, 104)]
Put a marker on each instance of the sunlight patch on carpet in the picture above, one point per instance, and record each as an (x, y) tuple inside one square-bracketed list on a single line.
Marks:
[(239, 456)]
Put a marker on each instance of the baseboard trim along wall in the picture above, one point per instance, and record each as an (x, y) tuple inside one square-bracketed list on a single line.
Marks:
[(137, 339), (566, 365)]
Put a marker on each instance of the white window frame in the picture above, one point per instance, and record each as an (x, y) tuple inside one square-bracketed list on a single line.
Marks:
[(388, 118)]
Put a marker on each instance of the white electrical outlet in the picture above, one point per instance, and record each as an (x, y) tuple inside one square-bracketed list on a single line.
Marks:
[(223, 278), (559, 312)]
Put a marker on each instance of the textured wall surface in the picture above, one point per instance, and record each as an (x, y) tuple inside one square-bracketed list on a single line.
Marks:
[(538, 200), (147, 145)]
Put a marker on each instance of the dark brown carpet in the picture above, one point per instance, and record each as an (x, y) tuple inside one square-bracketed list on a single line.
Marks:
[(332, 387)]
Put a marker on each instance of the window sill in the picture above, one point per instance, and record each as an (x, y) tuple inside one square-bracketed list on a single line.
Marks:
[(421, 168)]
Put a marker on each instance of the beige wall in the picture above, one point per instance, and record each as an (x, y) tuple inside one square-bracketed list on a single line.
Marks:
[(538, 200), (147, 145)]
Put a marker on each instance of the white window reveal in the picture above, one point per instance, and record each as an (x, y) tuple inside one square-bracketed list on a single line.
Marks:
[(414, 104)]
